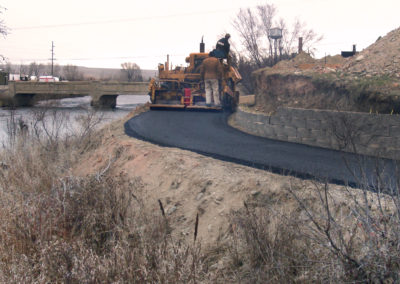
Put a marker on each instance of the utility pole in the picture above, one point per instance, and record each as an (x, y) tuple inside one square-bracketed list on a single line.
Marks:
[(52, 59)]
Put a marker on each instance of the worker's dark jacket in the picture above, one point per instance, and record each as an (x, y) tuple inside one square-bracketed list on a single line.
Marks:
[(223, 44), (211, 68)]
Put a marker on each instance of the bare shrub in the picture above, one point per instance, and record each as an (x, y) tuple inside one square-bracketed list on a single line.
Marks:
[(43, 147), (270, 246), (324, 235), (51, 128), (95, 229), (90, 230), (363, 234), (14, 128)]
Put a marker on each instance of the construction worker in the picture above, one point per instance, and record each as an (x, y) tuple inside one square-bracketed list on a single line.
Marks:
[(223, 47), (211, 72)]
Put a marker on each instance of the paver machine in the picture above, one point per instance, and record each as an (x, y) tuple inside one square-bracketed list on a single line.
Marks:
[(183, 87)]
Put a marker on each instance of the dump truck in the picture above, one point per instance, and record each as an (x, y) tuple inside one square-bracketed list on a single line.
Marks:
[(183, 87)]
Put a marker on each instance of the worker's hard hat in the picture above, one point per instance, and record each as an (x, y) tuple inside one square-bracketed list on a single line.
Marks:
[(227, 36)]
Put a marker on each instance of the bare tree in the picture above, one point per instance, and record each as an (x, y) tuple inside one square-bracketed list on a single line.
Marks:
[(72, 73), (267, 14), (247, 24), (56, 69), (23, 69), (3, 29), (35, 69), (254, 27), (105, 77), (299, 29), (132, 71), (9, 68)]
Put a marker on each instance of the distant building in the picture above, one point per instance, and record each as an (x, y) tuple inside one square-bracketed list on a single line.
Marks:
[(18, 77), (349, 53)]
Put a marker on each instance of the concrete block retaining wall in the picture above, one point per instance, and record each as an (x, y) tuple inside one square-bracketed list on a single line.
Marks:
[(363, 133)]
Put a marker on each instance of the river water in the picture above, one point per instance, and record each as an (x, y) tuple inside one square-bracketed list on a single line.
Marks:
[(64, 114)]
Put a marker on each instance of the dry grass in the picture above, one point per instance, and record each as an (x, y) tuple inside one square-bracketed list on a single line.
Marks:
[(89, 230), (328, 236), (58, 228)]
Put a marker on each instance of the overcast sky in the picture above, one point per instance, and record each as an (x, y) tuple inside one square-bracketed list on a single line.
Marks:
[(107, 33)]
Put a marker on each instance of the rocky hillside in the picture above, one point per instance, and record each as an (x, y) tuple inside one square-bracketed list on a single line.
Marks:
[(380, 58), (366, 82)]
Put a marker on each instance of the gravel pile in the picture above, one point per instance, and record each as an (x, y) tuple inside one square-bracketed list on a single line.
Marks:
[(380, 58)]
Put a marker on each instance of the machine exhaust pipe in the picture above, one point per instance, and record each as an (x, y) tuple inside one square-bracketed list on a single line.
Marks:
[(202, 45)]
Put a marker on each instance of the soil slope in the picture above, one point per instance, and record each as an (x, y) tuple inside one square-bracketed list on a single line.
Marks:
[(185, 182)]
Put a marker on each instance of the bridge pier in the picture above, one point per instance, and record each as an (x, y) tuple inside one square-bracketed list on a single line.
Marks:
[(104, 101), (24, 100), (9, 97)]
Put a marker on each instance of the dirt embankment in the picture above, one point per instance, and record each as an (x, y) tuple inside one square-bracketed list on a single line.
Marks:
[(290, 90), (326, 91), (185, 182), (368, 81)]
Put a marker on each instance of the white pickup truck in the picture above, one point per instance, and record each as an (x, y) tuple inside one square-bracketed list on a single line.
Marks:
[(48, 79)]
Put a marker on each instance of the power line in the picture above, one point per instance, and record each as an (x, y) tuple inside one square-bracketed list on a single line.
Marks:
[(102, 58), (119, 20), (122, 57)]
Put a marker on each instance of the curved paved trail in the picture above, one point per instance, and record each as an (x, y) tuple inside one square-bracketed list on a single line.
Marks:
[(209, 134)]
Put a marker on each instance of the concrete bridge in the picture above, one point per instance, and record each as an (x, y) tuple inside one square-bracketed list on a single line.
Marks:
[(104, 94)]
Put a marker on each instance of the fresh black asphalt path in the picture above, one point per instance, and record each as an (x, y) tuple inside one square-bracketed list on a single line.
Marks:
[(209, 134)]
